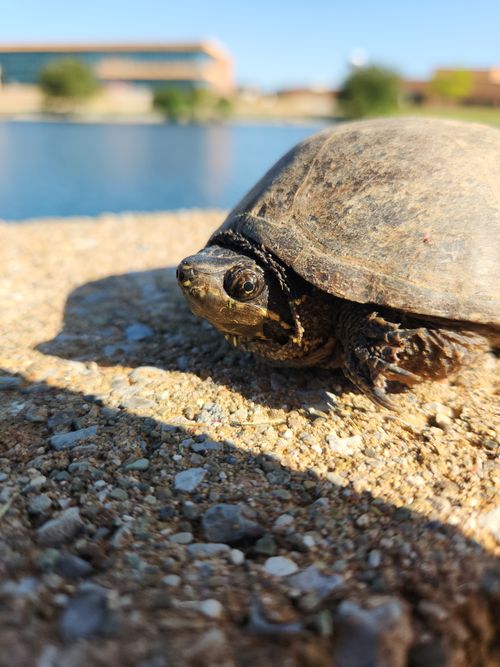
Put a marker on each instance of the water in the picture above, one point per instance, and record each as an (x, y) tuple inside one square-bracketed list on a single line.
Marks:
[(63, 169)]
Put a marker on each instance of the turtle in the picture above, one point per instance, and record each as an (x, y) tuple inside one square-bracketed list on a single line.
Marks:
[(372, 246)]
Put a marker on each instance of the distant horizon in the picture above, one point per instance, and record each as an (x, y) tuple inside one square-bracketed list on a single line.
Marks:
[(276, 45)]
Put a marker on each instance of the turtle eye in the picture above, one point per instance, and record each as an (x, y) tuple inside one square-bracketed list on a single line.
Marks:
[(243, 283)]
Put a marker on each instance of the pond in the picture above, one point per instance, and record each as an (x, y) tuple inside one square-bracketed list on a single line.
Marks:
[(65, 168)]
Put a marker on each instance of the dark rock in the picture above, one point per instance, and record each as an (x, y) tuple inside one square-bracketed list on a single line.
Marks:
[(63, 418), (190, 510), (63, 441), (87, 614), (380, 635), (266, 545), (60, 529), (166, 513), (10, 382), (311, 579), (259, 625), (40, 504), (206, 446), (226, 523), (72, 567), (429, 654)]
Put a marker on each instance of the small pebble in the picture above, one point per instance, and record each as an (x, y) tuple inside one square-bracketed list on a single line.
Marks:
[(138, 331), (73, 567), (207, 549), (279, 566), (226, 523), (182, 538), (60, 529), (374, 558), (188, 480), (266, 545), (312, 580), (345, 446), (10, 382), (206, 446), (284, 521), (490, 521), (236, 557), (40, 504), (86, 614), (63, 441), (211, 608), (118, 494), (140, 465)]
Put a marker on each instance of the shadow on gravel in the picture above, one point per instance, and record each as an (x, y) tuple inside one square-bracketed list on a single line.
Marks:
[(142, 319), (441, 609)]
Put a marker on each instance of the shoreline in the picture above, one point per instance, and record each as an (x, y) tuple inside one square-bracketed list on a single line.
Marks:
[(154, 119)]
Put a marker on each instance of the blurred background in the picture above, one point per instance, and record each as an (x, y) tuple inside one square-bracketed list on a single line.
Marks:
[(120, 106)]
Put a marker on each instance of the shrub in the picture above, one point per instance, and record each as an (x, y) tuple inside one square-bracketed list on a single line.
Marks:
[(197, 104), (452, 85), (67, 79), (369, 91), (173, 103)]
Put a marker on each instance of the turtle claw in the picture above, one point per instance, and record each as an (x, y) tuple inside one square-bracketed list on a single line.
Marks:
[(372, 356), (397, 374), (378, 395)]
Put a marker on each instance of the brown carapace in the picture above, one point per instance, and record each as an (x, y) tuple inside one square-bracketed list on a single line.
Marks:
[(373, 246)]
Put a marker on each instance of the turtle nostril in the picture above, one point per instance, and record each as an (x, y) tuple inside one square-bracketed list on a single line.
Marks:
[(184, 273)]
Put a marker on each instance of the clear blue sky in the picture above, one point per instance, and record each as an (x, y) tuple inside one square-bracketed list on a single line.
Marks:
[(279, 42)]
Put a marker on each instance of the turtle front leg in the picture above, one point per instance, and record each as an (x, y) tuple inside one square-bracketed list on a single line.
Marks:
[(377, 350)]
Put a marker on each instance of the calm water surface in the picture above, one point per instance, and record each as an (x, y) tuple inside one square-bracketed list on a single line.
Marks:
[(62, 169)]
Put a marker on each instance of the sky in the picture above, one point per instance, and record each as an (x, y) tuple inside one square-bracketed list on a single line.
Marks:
[(279, 43)]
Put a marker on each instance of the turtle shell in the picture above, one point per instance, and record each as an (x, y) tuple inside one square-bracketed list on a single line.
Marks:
[(398, 212)]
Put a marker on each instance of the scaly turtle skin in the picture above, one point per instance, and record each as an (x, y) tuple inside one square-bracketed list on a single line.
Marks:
[(373, 247)]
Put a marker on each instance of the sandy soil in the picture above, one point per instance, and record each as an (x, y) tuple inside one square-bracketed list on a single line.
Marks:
[(354, 536)]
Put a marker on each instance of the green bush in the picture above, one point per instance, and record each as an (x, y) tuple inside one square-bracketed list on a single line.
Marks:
[(172, 103), (453, 85), (67, 79), (197, 104), (369, 91)]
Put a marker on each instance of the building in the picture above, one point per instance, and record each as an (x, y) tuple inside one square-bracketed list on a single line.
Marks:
[(485, 87), (203, 64)]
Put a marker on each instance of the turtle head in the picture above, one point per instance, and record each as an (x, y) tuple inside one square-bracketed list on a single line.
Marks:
[(239, 296)]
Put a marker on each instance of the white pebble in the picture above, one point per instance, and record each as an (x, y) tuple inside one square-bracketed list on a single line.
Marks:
[(490, 521), (188, 480), (211, 608), (346, 446), (236, 557), (182, 538), (171, 580), (374, 558), (308, 541), (279, 566)]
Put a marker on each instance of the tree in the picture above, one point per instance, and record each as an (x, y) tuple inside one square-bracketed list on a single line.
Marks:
[(452, 85), (197, 104), (369, 91), (67, 79), (172, 103)]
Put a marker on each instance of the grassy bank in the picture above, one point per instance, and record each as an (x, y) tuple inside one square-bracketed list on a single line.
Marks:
[(488, 115)]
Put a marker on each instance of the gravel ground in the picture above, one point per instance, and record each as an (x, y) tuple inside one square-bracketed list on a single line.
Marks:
[(166, 500)]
